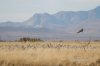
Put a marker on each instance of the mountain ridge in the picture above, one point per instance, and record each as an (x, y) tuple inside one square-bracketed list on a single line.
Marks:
[(62, 23)]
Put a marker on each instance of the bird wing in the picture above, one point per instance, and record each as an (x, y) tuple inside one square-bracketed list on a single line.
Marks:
[(81, 30)]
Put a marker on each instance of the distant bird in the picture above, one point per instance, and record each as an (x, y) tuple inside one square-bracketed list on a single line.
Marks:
[(81, 30)]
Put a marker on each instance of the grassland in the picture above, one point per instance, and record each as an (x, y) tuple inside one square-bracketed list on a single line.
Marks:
[(67, 53)]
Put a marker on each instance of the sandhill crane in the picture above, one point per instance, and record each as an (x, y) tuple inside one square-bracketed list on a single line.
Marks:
[(81, 30), (86, 45)]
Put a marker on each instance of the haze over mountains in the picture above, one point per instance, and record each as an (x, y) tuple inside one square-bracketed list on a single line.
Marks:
[(62, 25)]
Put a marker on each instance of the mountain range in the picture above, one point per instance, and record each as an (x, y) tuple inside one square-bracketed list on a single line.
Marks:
[(62, 25)]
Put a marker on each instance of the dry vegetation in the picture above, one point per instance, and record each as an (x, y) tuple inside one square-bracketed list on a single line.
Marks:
[(50, 53)]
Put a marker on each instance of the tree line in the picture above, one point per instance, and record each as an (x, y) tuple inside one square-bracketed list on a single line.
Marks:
[(24, 39)]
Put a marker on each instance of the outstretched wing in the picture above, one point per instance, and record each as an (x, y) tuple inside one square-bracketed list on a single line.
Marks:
[(81, 30)]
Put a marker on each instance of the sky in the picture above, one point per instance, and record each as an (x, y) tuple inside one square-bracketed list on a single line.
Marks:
[(21, 10)]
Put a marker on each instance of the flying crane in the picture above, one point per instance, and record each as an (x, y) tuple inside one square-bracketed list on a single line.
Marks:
[(81, 30)]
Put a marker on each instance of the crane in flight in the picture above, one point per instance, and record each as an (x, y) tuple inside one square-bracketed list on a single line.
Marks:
[(87, 44), (81, 30)]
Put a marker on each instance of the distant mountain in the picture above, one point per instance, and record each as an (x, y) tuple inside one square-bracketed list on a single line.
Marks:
[(62, 25)]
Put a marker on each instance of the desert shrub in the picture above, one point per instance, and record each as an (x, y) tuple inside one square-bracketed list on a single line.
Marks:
[(25, 39), (97, 40), (98, 61), (92, 64), (2, 41)]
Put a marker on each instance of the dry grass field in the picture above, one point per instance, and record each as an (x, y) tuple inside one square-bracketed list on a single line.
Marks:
[(67, 53)]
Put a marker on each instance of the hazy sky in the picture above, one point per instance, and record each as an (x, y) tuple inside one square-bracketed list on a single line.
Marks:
[(20, 10)]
